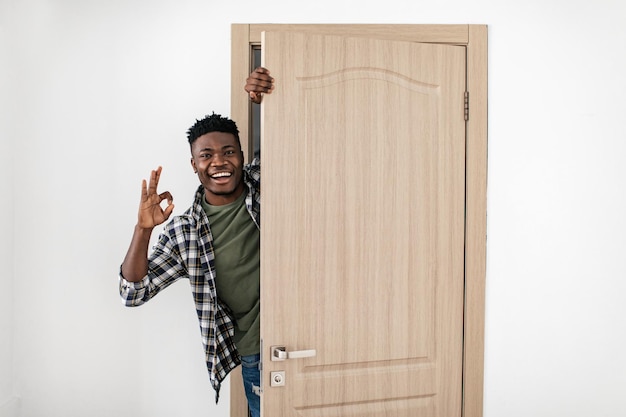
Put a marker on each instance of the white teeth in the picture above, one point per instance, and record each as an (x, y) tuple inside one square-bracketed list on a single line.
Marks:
[(221, 174)]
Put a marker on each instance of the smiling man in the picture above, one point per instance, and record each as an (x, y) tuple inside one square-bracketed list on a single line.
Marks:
[(217, 159), (214, 244)]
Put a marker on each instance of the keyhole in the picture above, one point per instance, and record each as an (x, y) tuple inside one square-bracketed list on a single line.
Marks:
[(277, 379)]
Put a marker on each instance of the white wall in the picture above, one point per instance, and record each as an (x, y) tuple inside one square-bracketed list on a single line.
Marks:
[(96, 93), (7, 399)]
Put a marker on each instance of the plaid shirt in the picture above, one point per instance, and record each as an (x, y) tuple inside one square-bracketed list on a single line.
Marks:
[(185, 250)]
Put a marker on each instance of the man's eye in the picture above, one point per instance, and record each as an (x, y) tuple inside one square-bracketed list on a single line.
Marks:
[(205, 155), (229, 152)]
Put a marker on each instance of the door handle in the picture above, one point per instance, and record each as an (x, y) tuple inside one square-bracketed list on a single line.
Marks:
[(279, 353)]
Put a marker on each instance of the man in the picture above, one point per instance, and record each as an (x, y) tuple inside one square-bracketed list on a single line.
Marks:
[(214, 244)]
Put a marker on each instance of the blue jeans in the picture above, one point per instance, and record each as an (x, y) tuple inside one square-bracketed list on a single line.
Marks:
[(251, 373)]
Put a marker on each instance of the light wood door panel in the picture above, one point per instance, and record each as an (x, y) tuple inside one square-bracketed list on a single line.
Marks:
[(474, 39), (363, 149)]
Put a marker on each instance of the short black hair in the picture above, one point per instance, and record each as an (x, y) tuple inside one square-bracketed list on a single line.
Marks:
[(212, 123)]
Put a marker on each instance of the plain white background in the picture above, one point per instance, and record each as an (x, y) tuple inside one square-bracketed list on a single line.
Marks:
[(94, 94)]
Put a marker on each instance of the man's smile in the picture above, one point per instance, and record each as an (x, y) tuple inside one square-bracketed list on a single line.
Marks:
[(221, 177), (221, 174)]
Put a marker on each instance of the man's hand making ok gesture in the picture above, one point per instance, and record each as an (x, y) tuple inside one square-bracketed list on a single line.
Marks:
[(151, 213)]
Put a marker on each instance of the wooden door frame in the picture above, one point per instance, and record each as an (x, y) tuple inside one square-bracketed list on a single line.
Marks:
[(474, 39)]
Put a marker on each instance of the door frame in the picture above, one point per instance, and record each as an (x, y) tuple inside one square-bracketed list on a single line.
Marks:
[(474, 38)]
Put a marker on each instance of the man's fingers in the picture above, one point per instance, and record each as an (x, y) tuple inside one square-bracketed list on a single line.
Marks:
[(166, 195), (260, 72), (149, 189), (263, 85), (170, 205), (144, 190), (258, 86), (259, 81), (168, 211), (154, 180), (255, 97)]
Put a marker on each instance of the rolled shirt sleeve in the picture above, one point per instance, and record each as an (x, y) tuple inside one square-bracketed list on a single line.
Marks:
[(165, 266), (133, 293)]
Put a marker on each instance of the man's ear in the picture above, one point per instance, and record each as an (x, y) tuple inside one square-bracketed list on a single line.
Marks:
[(193, 164)]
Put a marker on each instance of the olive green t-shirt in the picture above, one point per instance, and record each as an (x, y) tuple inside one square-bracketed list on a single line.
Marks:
[(236, 242)]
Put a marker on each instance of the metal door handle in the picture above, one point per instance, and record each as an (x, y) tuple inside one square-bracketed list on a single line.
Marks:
[(279, 353)]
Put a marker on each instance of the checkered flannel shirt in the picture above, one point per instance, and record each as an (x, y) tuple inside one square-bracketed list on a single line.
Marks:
[(185, 250)]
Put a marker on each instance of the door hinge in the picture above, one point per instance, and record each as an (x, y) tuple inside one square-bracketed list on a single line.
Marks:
[(466, 105)]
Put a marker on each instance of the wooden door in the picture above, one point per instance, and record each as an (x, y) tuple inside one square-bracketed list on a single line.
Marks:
[(363, 153)]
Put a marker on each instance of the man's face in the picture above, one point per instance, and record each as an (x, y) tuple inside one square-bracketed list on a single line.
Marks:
[(218, 160)]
